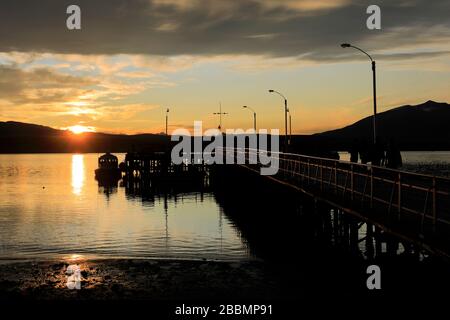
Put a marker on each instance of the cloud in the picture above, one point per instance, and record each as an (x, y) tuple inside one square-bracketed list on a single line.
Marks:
[(36, 93), (218, 27), (74, 80), (102, 76), (308, 5), (39, 86)]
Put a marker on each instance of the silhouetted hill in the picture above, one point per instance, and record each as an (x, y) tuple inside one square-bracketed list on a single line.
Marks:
[(12, 128), (17, 137), (422, 127)]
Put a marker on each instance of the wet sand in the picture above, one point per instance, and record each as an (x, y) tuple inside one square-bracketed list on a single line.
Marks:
[(140, 280)]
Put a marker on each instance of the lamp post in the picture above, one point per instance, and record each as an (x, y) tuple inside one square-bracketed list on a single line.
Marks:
[(348, 45), (254, 116), (286, 110), (167, 122)]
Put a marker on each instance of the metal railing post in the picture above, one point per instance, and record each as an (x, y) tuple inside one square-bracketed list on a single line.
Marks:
[(309, 172), (335, 178), (321, 175), (352, 182), (399, 200), (371, 187), (434, 205)]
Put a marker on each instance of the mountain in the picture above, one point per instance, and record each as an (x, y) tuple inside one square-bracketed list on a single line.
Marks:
[(13, 128), (17, 137), (421, 127)]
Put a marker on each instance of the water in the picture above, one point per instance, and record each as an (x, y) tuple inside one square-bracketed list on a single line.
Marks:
[(51, 206), (416, 157), (431, 157)]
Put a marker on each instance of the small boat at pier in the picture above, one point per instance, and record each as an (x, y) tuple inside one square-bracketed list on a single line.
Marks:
[(108, 168)]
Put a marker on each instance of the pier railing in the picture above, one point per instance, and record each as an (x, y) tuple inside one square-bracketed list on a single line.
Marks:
[(417, 204)]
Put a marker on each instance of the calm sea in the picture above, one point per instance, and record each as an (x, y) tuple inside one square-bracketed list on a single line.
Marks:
[(416, 157), (51, 206)]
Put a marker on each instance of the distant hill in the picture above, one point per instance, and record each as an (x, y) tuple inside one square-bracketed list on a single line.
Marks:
[(421, 127), (12, 128), (17, 137)]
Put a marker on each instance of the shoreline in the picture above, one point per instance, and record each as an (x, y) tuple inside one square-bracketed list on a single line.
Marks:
[(140, 279), (94, 258)]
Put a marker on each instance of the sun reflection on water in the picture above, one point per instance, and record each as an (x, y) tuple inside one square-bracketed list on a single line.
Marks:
[(77, 173), (74, 258)]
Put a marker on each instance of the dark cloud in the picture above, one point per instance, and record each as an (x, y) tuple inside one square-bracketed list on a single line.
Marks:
[(212, 28)]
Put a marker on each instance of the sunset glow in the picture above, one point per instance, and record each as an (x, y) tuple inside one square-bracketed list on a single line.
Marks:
[(122, 83), (78, 129)]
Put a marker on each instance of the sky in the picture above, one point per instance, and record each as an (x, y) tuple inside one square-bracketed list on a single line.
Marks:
[(133, 59)]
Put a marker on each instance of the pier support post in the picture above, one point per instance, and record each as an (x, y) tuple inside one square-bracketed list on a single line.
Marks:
[(336, 225), (353, 228), (346, 230), (378, 240), (369, 241)]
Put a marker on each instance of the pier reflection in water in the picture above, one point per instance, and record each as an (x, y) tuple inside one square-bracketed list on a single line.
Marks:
[(51, 206)]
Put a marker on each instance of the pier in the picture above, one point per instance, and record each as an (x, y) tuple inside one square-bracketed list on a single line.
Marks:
[(414, 208), (156, 168)]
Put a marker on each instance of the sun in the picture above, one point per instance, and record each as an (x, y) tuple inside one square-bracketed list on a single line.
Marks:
[(78, 129)]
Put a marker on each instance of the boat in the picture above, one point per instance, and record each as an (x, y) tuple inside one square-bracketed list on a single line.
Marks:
[(108, 168)]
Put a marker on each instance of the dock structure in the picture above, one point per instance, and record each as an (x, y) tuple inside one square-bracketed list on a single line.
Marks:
[(157, 167), (413, 207)]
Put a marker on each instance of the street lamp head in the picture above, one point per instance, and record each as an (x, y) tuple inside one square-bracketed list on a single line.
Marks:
[(271, 91), (346, 45), (244, 107)]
